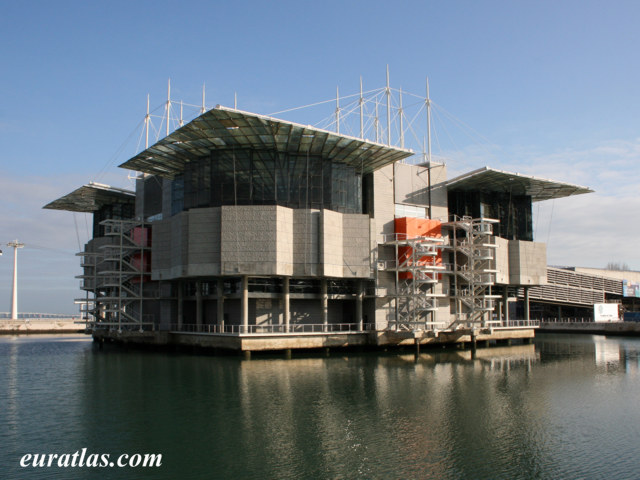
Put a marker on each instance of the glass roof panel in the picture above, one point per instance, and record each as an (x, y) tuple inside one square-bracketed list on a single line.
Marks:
[(221, 127)]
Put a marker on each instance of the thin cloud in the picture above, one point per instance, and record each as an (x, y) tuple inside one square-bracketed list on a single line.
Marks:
[(585, 230), (47, 266)]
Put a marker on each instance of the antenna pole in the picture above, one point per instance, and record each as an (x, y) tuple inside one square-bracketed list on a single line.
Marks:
[(337, 110), (14, 294), (203, 109), (181, 121), (146, 126), (235, 100), (168, 104), (377, 124), (361, 112), (428, 102), (388, 109), (400, 113), (424, 150)]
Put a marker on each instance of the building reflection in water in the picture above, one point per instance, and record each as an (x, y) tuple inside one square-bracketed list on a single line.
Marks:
[(449, 414)]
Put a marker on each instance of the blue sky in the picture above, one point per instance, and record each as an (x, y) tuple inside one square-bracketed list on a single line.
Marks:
[(551, 88)]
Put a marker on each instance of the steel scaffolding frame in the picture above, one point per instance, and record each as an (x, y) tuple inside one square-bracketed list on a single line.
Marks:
[(416, 276), (472, 270), (115, 276)]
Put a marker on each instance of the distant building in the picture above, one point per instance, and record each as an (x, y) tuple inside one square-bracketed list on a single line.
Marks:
[(247, 225)]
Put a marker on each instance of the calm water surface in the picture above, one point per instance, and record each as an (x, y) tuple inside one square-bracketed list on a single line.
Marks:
[(566, 407)]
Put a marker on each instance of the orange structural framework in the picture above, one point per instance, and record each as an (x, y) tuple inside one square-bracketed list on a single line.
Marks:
[(411, 228)]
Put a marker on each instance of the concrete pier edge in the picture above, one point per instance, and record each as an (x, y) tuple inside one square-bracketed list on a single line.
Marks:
[(376, 340)]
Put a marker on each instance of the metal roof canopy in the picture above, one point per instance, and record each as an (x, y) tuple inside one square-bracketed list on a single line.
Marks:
[(91, 197), (224, 128), (487, 179)]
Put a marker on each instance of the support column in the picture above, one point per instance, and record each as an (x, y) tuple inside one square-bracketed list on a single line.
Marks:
[(325, 304), (526, 304), (220, 304), (245, 304), (559, 313), (198, 305), (286, 301), (359, 300), (180, 304), (506, 305)]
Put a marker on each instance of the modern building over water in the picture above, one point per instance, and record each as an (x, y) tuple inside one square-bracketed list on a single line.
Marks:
[(251, 232)]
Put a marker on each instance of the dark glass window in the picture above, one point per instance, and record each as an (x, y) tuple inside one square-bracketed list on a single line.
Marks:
[(251, 177), (114, 211), (513, 211), (152, 196), (177, 195)]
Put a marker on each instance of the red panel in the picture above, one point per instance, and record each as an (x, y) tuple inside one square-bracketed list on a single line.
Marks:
[(142, 236), (411, 227), (141, 262)]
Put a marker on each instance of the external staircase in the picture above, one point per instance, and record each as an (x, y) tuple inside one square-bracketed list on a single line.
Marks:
[(115, 276)]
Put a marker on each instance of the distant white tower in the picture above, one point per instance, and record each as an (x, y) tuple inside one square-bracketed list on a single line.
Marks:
[(14, 295)]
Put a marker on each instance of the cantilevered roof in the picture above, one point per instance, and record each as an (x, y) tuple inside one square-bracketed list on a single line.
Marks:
[(91, 197), (490, 180), (224, 128)]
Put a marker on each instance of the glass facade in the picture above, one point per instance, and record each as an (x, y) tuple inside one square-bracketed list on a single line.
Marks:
[(513, 211), (254, 177), (152, 196), (114, 211)]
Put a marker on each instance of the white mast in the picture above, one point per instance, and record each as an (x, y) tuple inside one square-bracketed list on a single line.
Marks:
[(337, 110), (14, 294), (428, 102), (147, 118), (424, 149), (400, 113), (181, 121), (361, 111), (388, 109), (203, 109), (168, 104), (377, 123)]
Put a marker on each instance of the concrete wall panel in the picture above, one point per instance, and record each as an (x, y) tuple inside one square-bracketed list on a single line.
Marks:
[(284, 237), (501, 262), (204, 242), (383, 202), (169, 251), (249, 240), (527, 263), (411, 184), (306, 249), (355, 246), (332, 257)]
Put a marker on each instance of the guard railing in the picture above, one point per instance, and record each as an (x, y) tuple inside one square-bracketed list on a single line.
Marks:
[(293, 328)]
